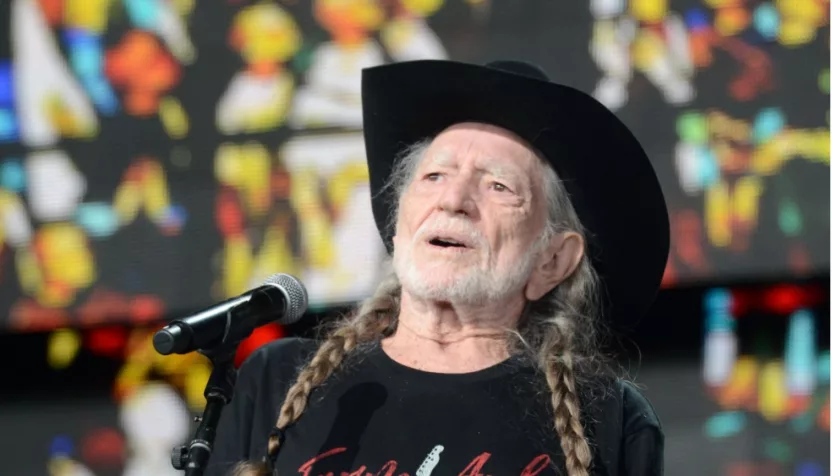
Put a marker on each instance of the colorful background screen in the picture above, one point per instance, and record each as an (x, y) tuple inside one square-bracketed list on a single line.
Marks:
[(159, 155)]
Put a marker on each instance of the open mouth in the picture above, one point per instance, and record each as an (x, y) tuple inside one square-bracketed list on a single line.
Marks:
[(447, 243)]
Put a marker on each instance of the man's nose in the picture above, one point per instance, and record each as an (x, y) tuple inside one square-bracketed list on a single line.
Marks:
[(457, 197)]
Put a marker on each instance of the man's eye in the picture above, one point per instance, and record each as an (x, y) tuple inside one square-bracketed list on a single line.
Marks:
[(433, 176), (497, 186)]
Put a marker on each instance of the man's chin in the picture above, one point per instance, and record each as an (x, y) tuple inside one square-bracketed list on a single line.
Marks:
[(439, 287), (445, 295), (439, 275)]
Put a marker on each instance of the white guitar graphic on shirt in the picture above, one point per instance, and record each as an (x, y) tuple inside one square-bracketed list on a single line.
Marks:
[(430, 462)]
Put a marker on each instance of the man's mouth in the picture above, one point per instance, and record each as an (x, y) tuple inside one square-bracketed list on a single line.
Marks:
[(447, 243)]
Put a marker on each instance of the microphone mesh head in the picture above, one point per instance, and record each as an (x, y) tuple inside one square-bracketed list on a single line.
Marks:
[(296, 297)]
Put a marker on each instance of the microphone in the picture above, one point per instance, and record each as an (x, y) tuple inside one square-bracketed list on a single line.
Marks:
[(281, 298)]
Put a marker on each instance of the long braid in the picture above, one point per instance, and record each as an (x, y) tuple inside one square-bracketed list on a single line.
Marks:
[(563, 331), (557, 334), (560, 377), (374, 319)]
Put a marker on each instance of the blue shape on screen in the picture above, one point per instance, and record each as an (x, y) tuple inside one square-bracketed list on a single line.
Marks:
[(61, 446), (175, 216), (823, 367), (143, 13), (73, 36), (8, 121), (800, 345), (102, 95), (6, 85), (725, 424), (86, 54), (8, 126), (97, 218), (809, 468), (696, 19), (12, 175), (766, 21), (767, 124), (718, 303), (708, 167)]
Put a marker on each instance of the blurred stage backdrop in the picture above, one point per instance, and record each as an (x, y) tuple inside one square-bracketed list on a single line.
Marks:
[(157, 156)]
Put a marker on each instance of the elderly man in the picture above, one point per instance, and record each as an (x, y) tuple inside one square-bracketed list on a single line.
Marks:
[(521, 215)]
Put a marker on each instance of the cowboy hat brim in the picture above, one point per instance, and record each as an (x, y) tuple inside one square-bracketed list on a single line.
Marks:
[(607, 174)]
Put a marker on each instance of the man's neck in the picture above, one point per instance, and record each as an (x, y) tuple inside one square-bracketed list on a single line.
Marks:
[(444, 338)]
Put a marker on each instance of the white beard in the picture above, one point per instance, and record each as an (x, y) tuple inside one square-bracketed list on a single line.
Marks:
[(472, 285)]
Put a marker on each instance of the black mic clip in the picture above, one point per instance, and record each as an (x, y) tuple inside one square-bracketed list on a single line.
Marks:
[(193, 457)]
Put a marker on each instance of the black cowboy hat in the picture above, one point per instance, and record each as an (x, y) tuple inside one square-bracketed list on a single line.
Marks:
[(607, 174)]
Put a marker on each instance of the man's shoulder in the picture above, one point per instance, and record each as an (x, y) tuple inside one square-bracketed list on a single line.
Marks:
[(623, 404), (287, 346), (279, 357), (637, 411)]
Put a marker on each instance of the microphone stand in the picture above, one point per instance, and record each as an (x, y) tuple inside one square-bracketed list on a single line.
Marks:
[(193, 457)]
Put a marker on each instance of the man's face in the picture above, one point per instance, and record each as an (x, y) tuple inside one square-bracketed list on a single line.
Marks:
[(470, 221)]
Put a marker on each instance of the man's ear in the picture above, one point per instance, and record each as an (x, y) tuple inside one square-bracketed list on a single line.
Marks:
[(557, 262)]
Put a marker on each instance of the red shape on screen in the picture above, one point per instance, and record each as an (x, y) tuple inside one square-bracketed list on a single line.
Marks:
[(741, 302), (146, 309), (261, 336), (109, 341), (229, 214), (53, 11), (141, 67), (103, 447), (784, 299), (28, 316)]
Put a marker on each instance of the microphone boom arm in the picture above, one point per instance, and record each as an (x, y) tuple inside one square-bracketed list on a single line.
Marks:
[(194, 456)]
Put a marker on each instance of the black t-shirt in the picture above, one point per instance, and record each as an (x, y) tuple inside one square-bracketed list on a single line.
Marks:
[(376, 416)]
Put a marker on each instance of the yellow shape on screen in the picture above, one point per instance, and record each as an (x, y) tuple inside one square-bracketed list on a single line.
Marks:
[(717, 214), (730, 21), (174, 118), (62, 347), (127, 200), (315, 226), (741, 386), (66, 259), (796, 33), (65, 120), (648, 47), (650, 11), (155, 190), (773, 396), (422, 7), (237, 262), (747, 191), (266, 33), (29, 273), (89, 15), (247, 169), (343, 183)]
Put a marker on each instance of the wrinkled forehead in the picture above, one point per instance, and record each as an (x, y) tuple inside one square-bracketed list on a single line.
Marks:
[(483, 146)]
